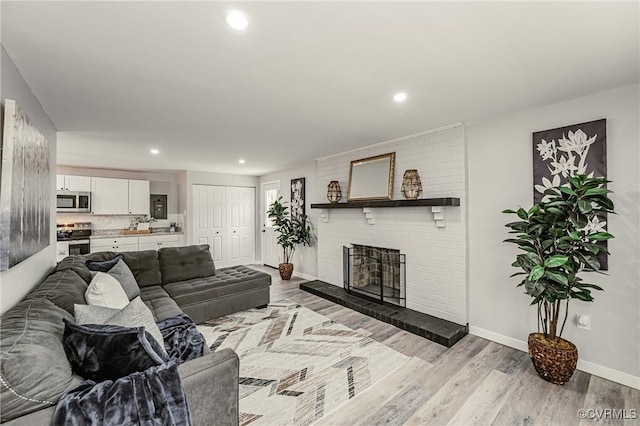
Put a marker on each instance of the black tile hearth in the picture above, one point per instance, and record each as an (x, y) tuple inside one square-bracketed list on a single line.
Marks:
[(441, 331)]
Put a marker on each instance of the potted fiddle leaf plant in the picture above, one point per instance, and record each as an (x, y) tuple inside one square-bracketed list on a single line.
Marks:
[(560, 238), (291, 231)]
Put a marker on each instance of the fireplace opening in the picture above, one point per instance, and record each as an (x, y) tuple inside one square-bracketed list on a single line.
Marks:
[(375, 273)]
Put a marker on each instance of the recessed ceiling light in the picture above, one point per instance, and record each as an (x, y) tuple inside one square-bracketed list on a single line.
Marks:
[(400, 97), (241, 161), (155, 151), (237, 20)]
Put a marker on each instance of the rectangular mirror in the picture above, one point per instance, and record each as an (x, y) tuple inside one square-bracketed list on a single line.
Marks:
[(372, 178)]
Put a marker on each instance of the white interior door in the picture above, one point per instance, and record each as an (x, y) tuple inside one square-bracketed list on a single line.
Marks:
[(241, 213), (270, 249), (209, 220)]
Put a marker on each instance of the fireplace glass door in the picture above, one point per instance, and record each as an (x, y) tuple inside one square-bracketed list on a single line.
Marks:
[(375, 273)]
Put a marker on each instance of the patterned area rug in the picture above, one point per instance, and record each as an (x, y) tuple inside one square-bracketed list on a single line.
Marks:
[(296, 365)]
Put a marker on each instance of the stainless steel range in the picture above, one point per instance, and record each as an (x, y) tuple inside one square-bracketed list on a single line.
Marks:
[(77, 236)]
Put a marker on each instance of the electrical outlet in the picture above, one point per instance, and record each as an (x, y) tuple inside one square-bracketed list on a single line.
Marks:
[(583, 322)]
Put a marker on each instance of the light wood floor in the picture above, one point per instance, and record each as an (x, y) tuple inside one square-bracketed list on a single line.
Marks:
[(476, 382)]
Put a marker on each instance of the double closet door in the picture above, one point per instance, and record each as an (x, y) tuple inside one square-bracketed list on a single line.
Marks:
[(224, 217)]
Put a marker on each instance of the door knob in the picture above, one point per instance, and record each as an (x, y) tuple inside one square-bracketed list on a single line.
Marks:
[(234, 232)]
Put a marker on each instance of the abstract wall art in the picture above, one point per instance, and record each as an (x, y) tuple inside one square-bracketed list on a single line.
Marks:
[(570, 150), (24, 188), (297, 197), (567, 151)]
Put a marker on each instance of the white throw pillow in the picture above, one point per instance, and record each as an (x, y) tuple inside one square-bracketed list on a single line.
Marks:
[(106, 291)]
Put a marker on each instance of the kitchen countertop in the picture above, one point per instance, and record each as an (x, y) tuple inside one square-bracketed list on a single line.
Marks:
[(113, 233)]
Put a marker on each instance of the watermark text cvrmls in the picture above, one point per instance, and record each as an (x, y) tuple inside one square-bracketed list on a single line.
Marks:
[(608, 413)]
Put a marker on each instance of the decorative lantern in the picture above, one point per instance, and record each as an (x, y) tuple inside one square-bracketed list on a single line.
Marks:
[(411, 184), (334, 193)]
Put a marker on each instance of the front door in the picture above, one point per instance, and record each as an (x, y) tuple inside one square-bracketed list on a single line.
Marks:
[(270, 249)]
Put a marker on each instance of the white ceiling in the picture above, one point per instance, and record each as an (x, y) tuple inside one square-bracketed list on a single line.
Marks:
[(308, 79)]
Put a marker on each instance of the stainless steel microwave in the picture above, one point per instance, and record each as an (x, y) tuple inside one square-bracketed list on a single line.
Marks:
[(73, 202)]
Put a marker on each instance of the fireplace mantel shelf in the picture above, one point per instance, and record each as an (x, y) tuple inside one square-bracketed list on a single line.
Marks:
[(436, 205), (424, 202)]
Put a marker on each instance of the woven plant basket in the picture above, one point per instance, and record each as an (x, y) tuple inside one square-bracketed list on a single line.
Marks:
[(555, 365), (286, 269)]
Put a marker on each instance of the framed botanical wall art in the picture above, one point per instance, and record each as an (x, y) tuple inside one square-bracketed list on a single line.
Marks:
[(297, 197), (570, 150), (24, 188)]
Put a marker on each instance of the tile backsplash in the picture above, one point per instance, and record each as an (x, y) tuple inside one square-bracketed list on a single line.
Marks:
[(113, 222)]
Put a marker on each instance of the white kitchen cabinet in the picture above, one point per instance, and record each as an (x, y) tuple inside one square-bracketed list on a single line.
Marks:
[(156, 242), (127, 247), (139, 197), (62, 250), (117, 244), (78, 183), (119, 196), (109, 196), (60, 182), (73, 183)]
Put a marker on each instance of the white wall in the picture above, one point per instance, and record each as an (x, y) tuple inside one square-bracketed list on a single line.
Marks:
[(435, 257), (305, 259), (204, 178), (500, 177), (19, 280)]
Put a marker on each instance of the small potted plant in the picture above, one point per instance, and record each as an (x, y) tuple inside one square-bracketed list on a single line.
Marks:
[(291, 232), (560, 239), (143, 223)]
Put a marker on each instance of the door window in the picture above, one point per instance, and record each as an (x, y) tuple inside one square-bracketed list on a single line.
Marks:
[(270, 195)]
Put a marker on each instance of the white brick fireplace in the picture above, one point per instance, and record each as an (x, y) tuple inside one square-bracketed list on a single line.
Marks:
[(435, 256)]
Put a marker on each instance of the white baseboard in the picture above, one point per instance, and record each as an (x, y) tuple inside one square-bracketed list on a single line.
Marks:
[(586, 366), (499, 338), (609, 374), (304, 276)]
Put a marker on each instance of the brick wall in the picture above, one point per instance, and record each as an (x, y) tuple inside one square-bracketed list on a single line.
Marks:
[(436, 257)]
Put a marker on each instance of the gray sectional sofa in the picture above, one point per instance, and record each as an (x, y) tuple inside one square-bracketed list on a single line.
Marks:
[(35, 372)]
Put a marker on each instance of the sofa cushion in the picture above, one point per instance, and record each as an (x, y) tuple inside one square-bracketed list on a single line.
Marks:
[(99, 256), (123, 274), (108, 352), (104, 265), (185, 263), (106, 291), (34, 368), (161, 304), (145, 266), (227, 281), (135, 314), (63, 288), (78, 264)]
